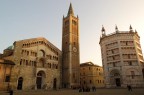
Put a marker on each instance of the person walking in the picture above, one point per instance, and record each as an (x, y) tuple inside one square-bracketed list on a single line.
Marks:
[(11, 92), (130, 88)]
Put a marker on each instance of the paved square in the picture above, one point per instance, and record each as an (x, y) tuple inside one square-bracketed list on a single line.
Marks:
[(137, 91)]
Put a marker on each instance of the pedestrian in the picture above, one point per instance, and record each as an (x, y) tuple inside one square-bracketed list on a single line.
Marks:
[(94, 88), (80, 89), (11, 92), (130, 88)]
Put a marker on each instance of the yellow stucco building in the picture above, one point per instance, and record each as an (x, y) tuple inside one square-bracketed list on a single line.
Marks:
[(91, 75), (5, 73)]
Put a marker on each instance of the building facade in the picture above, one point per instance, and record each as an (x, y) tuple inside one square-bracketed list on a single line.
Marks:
[(70, 50), (37, 64), (91, 75), (122, 58), (5, 73), (41, 65)]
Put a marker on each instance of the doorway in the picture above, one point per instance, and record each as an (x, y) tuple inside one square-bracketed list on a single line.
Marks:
[(20, 83), (39, 82), (40, 79), (55, 83), (117, 81)]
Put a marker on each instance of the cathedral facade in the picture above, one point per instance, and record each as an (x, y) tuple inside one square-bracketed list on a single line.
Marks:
[(122, 58), (37, 65)]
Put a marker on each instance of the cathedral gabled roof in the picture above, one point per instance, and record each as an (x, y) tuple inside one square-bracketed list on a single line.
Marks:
[(70, 11)]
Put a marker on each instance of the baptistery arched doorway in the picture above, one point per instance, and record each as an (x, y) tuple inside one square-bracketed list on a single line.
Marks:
[(115, 78)]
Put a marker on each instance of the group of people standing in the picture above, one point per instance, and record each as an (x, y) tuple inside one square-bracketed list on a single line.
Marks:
[(87, 89)]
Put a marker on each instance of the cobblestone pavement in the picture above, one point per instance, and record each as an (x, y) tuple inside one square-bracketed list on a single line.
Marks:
[(137, 91)]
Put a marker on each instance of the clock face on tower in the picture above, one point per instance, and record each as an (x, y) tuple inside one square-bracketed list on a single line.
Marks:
[(74, 49)]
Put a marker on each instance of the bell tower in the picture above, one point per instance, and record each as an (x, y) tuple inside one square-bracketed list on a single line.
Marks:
[(70, 50)]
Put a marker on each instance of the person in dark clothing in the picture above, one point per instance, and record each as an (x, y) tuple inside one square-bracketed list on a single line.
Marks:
[(11, 92), (93, 88), (129, 87)]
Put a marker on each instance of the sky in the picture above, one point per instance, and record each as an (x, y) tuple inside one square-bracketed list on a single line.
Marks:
[(24, 19)]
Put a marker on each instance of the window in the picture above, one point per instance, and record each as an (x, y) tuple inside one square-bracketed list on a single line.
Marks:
[(90, 81), (113, 58), (130, 63), (112, 52), (67, 22), (26, 62), (132, 74), (128, 56), (56, 67), (7, 78), (126, 43), (73, 75), (114, 65), (74, 43), (27, 52), (84, 82), (21, 62), (74, 22), (84, 73)]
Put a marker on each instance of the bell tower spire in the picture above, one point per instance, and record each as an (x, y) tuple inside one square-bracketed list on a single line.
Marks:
[(70, 50), (70, 11)]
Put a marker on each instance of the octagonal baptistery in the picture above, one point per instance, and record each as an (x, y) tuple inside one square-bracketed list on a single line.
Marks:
[(122, 58)]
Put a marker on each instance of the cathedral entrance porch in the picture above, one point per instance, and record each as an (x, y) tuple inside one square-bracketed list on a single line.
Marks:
[(40, 80)]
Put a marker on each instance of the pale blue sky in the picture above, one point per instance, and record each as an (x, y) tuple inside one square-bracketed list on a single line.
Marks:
[(24, 19)]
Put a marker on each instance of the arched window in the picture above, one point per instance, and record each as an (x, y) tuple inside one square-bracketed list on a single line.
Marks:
[(41, 53)]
